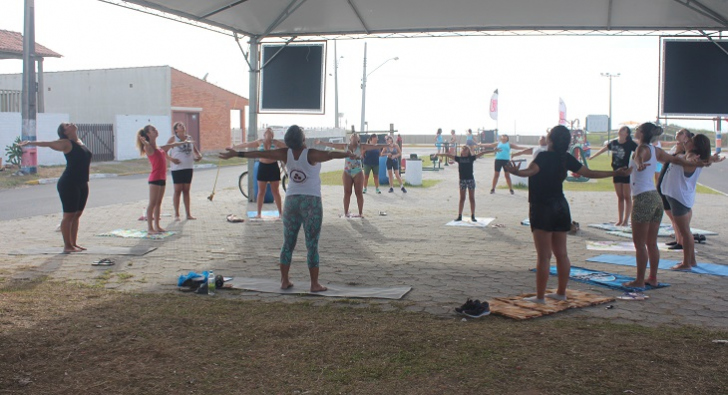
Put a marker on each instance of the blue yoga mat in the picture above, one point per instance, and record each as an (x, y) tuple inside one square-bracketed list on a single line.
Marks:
[(628, 260), (605, 279), (273, 213)]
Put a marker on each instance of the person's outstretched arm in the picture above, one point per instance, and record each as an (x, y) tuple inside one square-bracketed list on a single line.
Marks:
[(62, 145), (315, 155), (515, 169), (332, 145), (601, 151), (490, 151), (277, 154), (527, 151), (250, 144)]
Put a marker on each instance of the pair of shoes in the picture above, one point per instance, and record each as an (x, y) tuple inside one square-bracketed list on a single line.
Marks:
[(492, 191), (459, 218), (364, 190), (379, 192), (699, 238), (512, 193), (404, 190), (671, 243), (675, 247), (480, 309), (391, 190)]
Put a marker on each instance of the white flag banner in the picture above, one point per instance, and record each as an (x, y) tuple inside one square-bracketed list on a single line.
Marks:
[(562, 112), (494, 105)]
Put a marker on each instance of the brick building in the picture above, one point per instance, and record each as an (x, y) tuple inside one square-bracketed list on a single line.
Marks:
[(125, 99)]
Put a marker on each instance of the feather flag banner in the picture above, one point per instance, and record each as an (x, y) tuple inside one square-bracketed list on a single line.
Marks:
[(494, 105), (562, 112)]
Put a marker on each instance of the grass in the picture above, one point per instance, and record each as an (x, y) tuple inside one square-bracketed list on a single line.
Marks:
[(121, 168), (61, 338)]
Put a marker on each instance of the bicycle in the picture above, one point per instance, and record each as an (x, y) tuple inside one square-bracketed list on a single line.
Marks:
[(243, 180)]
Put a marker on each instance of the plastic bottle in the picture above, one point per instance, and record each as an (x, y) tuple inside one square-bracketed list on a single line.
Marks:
[(211, 282)]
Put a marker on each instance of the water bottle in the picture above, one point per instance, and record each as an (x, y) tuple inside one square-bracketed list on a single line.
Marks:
[(211, 282)]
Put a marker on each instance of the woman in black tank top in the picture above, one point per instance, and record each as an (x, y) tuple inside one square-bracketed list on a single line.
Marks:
[(73, 184)]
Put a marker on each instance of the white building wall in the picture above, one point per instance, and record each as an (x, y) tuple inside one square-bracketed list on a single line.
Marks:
[(46, 130), (97, 96), (126, 128)]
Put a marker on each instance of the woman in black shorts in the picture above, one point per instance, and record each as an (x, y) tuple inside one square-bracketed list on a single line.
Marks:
[(549, 211), (73, 184), (268, 170), (622, 149)]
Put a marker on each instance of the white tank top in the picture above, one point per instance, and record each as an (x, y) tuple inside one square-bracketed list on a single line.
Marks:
[(679, 186), (185, 154), (303, 178), (643, 181)]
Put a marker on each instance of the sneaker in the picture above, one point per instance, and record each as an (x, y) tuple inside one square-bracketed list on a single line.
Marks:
[(391, 190), (512, 193), (480, 310), (459, 218), (675, 247), (492, 191), (404, 190), (469, 305), (671, 243), (364, 190), (379, 192)]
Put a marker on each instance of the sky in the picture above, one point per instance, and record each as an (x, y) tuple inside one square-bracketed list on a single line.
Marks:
[(436, 82)]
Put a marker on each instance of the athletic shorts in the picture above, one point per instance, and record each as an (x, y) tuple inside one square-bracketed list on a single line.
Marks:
[(183, 176), (467, 184), (647, 208), (499, 163), (268, 172), (678, 209), (620, 180), (392, 164), (551, 216), (368, 169), (665, 203), (73, 196), (160, 183)]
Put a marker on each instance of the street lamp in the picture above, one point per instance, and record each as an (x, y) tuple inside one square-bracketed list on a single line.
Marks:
[(364, 84), (609, 121)]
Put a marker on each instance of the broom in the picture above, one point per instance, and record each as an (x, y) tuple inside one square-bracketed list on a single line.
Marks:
[(214, 185)]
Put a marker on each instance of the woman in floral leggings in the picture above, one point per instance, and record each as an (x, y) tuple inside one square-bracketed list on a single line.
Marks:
[(303, 198)]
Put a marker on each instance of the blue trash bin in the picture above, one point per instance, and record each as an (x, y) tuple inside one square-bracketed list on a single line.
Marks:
[(383, 177), (268, 194)]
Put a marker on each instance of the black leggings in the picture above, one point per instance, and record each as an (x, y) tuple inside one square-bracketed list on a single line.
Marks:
[(73, 195)]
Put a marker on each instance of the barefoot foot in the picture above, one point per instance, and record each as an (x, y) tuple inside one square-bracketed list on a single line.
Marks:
[(79, 248), (535, 299), (160, 230), (191, 217), (318, 288), (681, 266), (634, 284), (286, 284)]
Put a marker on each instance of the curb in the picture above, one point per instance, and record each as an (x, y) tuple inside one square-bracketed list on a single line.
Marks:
[(44, 181)]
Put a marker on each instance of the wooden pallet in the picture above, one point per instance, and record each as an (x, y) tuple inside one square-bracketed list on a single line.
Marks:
[(517, 308)]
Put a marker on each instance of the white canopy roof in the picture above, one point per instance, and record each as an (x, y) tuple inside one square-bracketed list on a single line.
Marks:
[(288, 18)]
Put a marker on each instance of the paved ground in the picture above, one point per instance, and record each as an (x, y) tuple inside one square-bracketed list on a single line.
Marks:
[(410, 246)]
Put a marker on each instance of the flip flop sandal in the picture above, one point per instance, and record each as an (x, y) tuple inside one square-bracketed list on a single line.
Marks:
[(233, 219), (633, 296), (103, 262)]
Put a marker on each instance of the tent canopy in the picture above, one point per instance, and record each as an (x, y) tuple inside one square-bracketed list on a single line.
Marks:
[(296, 18)]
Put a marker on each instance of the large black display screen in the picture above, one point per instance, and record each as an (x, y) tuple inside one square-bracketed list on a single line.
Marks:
[(694, 78), (292, 78)]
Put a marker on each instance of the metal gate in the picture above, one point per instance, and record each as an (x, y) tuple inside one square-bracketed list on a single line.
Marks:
[(99, 138)]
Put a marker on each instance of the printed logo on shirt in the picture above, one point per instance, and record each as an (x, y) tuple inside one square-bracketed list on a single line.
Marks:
[(298, 176)]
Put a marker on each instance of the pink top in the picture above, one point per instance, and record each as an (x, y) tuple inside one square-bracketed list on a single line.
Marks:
[(159, 166)]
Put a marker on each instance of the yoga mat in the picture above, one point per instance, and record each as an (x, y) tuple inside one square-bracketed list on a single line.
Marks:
[(664, 231), (466, 222), (96, 250), (621, 246), (136, 234), (264, 214), (605, 279), (627, 260), (517, 308), (302, 287)]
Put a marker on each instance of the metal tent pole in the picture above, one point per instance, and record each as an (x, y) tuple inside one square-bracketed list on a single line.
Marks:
[(252, 110)]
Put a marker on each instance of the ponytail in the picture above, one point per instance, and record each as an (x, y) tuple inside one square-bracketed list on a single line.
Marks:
[(560, 140)]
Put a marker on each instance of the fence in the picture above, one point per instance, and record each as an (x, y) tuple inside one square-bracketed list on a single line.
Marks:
[(10, 100), (99, 138)]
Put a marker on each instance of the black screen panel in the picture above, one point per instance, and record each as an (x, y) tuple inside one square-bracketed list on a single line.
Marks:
[(694, 78), (292, 78)]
